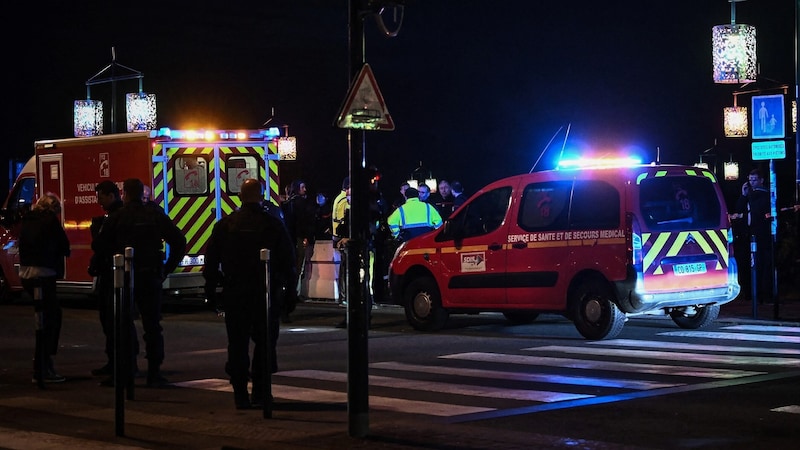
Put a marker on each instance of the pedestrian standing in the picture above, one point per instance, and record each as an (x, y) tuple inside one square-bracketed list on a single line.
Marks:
[(43, 245), (299, 219), (145, 228), (233, 260), (340, 233), (108, 197), (754, 204)]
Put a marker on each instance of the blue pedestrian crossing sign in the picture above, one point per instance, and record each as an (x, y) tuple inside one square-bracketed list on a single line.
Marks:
[(768, 117), (364, 108)]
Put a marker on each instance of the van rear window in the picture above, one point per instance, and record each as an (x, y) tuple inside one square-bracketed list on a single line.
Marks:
[(670, 203)]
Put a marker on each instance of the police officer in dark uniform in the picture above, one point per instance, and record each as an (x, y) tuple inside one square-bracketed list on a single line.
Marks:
[(108, 197), (144, 227), (233, 260)]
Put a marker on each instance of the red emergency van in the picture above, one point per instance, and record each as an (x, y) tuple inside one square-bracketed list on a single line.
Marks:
[(595, 242), (195, 177)]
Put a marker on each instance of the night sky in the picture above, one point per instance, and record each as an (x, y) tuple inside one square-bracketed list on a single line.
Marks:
[(476, 88)]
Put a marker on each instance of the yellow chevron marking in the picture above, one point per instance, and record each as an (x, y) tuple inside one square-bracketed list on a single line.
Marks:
[(720, 243), (701, 240), (659, 270), (658, 245), (676, 246)]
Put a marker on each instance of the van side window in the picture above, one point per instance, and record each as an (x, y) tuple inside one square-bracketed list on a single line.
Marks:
[(544, 206), (20, 199), (191, 175), (485, 213), (595, 205)]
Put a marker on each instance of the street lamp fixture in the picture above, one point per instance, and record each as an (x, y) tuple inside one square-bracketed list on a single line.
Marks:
[(734, 51), (140, 106), (735, 120), (731, 170)]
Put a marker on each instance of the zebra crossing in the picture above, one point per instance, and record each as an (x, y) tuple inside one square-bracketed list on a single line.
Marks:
[(474, 385)]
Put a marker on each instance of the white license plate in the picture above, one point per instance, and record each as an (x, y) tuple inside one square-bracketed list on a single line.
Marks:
[(689, 269)]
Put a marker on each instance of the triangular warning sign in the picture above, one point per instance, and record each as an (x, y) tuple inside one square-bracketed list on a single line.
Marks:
[(364, 108)]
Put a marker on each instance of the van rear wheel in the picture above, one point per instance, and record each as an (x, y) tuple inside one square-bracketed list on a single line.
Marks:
[(423, 305), (594, 313), (692, 318)]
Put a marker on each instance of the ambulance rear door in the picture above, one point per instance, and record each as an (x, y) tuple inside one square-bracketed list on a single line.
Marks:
[(197, 183)]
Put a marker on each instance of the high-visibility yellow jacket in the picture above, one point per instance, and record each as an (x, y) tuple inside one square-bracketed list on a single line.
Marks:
[(341, 205), (413, 218)]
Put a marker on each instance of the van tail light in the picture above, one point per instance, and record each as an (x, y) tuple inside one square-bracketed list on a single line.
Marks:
[(633, 242)]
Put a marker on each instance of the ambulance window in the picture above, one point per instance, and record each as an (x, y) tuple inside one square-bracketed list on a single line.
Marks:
[(240, 168), (544, 206), (191, 175), (482, 215), (595, 205), (672, 203)]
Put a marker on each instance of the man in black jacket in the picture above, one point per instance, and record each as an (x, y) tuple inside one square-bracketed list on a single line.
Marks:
[(144, 227), (233, 260), (754, 205), (108, 197)]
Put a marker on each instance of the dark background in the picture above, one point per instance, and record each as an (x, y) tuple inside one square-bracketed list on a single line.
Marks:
[(476, 88)]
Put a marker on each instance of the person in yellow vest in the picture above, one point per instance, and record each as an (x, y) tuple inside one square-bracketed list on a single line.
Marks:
[(340, 232), (413, 218)]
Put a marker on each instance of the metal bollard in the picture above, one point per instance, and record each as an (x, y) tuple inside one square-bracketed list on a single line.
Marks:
[(266, 360), (41, 349), (119, 293), (754, 275)]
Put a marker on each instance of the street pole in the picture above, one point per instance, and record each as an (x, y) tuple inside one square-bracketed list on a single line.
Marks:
[(357, 317)]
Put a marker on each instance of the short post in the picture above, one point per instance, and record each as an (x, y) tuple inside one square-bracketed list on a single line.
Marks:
[(127, 315), (754, 275), (119, 293), (41, 348), (266, 343)]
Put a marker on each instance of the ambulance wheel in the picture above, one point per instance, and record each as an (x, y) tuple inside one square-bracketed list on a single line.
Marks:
[(520, 317), (593, 312), (423, 305), (692, 318)]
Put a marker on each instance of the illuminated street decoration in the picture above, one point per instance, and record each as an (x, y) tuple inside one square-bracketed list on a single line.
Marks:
[(731, 170), (734, 56), (735, 121), (287, 148), (794, 116), (140, 111), (734, 51), (88, 118)]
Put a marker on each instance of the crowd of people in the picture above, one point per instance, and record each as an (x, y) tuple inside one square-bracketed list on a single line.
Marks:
[(235, 279)]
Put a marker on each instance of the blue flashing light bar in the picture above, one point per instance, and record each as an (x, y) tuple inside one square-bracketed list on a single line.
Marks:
[(212, 135), (598, 162)]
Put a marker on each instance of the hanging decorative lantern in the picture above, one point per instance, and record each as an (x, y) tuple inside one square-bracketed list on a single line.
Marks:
[(735, 121), (88, 118), (734, 51), (287, 148), (140, 109), (731, 170)]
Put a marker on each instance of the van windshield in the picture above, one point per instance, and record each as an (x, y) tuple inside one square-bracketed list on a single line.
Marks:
[(670, 203)]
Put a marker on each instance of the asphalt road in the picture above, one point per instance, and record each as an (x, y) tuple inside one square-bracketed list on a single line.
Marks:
[(478, 384)]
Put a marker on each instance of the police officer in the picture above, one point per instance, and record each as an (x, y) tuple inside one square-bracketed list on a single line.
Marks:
[(144, 227), (233, 260), (108, 197), (413, 218)]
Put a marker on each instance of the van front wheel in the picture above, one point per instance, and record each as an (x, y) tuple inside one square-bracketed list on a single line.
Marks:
[(423, 305), (594, 313), (692, 318)]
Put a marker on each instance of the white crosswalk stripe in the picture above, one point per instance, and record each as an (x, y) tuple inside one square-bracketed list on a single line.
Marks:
[(553, 374)]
